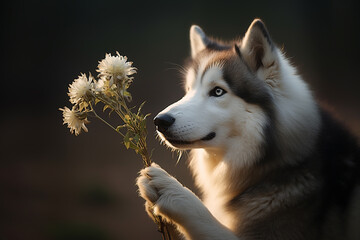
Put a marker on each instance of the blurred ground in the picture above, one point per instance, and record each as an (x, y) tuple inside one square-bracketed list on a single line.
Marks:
[(54, 185)]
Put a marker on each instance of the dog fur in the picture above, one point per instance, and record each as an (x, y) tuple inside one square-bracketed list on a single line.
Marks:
[(269, 162)]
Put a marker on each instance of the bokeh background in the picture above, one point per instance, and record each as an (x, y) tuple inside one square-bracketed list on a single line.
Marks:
[(54, 185)]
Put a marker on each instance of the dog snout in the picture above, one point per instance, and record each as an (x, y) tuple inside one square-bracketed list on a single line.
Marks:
[(163, 122)]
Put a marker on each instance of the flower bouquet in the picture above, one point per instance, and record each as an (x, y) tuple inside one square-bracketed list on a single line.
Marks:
[(111, 90)]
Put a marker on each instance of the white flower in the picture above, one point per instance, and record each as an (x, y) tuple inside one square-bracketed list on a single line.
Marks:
[(100, 85), (80, 89), (75, 120), (115, 66)]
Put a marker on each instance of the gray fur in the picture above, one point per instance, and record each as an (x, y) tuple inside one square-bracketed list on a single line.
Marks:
[(286, 170)]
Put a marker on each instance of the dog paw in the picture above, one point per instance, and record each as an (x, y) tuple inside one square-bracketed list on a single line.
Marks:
[(162, 192)]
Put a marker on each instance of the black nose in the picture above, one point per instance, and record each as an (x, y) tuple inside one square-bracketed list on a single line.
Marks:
[(163, 122)]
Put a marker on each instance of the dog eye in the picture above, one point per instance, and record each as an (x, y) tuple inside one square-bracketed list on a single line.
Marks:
[(217, 92)]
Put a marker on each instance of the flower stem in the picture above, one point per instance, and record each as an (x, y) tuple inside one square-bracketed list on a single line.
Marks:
[(101, 119), (122, 111)]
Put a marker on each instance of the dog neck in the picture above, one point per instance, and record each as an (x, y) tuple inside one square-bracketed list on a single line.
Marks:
[(219, 181)]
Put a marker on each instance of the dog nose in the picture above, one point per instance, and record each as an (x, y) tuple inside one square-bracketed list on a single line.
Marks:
[(163, 122)]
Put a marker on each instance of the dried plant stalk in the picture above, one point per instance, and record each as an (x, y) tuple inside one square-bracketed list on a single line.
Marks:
[(111, 89)]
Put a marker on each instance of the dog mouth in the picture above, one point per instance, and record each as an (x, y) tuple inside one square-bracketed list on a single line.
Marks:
[(175, 141)]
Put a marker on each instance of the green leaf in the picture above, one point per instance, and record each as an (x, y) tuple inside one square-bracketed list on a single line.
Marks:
[(106, 107), (136, 138), (127, 140), (147, 115), (141, 106), (127, 145), (127, 95), (97, 101), (118, 128), (127, 117), (133, 146)]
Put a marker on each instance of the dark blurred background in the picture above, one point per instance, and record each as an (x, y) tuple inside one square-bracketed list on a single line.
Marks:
[(54, 185)]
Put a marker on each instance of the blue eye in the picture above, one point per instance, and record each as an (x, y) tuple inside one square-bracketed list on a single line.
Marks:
[(217, 92)]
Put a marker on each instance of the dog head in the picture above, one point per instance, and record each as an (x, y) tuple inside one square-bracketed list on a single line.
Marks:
[(237, 96), (225, 97)]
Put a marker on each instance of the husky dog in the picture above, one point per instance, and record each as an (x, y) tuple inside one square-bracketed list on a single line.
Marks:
[(269, 162)]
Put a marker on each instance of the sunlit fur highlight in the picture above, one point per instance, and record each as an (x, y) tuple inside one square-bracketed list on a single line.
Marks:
[(263, 174)]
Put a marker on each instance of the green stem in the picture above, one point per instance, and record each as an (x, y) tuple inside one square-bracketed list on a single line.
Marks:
[(142, 144), (101, 119), (145, 153)]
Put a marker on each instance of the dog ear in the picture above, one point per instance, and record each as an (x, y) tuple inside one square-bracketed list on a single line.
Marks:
[(198, 40), (257, 47)]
